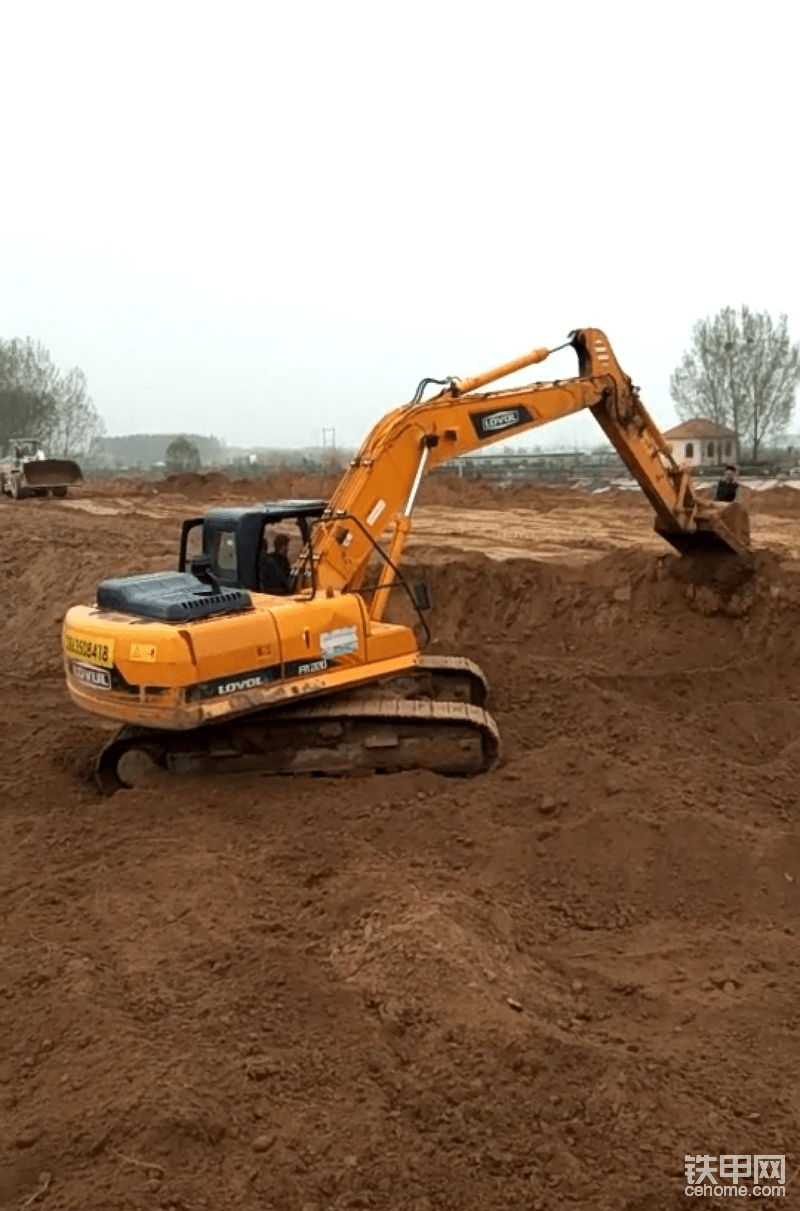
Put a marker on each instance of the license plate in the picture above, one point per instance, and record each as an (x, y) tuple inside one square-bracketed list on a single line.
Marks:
[(90, 649), (90, 675)]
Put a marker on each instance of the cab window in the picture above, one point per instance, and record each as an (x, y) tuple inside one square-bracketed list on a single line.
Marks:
[(224, 552), (194, 543)]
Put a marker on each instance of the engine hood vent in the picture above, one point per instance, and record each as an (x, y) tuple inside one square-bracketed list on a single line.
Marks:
[(169, 597)]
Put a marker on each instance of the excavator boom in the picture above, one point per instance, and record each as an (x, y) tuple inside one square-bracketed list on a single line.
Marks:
[(379, 488)]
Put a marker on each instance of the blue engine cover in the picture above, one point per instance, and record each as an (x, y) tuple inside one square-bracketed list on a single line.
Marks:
[(169, 597)]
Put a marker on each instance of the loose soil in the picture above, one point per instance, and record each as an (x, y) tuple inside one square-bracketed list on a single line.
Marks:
[(540, 988)]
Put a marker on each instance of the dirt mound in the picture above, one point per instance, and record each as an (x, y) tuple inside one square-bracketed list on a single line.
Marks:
[(194, 485), (779, 502), (541, 988), (215, 486), (446, 489), (450, 489)]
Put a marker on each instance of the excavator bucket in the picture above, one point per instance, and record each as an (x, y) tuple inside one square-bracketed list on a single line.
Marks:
[(51, 473), (734, 521), (718, 528)]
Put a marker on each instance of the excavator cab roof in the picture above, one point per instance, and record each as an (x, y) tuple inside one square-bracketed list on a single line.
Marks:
[(272, 512)]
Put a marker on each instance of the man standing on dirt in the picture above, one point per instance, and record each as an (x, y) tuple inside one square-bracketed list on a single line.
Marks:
[(727, 488)]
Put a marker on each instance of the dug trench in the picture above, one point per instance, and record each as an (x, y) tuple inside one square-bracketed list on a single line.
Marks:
[(538, 988)]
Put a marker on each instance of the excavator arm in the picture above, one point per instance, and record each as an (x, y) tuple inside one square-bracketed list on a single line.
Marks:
[(379, 489)]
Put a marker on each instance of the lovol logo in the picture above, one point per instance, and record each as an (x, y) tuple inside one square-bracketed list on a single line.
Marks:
[(486, 424), (500, 420), (244, 683), (100, 678)]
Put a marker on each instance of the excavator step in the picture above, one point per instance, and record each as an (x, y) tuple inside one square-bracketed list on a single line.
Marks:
[(326, 737)]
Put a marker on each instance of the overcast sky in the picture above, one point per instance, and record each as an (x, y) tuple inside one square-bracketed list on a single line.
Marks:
[(257, 219)]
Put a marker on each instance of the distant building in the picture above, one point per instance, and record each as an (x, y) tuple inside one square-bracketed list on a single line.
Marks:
[(703, 443)]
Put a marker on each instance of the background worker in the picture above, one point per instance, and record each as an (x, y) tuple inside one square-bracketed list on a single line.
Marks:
[(727, 488)]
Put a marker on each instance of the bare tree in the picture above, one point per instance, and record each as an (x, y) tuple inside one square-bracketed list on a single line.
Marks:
[(39, 400), (742, 369), (77, 426), (23, 414), (27, 406)]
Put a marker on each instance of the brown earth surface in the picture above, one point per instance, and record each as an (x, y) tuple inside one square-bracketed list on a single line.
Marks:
[(540, 988)]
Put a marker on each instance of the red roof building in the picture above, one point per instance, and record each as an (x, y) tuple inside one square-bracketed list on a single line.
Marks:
[(701, 442)]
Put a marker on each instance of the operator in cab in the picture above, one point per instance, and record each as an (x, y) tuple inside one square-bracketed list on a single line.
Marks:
[(727, 488), (274, 569)]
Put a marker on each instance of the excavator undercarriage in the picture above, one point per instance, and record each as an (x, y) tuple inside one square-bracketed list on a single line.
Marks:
[(431, 717)]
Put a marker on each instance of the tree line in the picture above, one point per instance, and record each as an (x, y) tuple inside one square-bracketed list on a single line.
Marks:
[(39, 400), (741, 369), (144, 448)]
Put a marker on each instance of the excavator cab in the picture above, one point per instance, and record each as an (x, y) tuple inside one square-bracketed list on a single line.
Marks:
[(219, 564), (228, 544)]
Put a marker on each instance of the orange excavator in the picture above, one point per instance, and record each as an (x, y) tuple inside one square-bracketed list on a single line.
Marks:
[(222, 666)]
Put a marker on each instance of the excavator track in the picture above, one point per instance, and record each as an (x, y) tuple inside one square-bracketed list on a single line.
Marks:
[(452, 678), (431, 716), (330, 736)]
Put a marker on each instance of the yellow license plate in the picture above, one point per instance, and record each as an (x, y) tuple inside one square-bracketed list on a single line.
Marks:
[(91, 649)]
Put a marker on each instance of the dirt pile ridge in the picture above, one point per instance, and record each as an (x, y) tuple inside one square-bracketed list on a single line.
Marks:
[(537, 989), (445, 488), (214, 486)]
